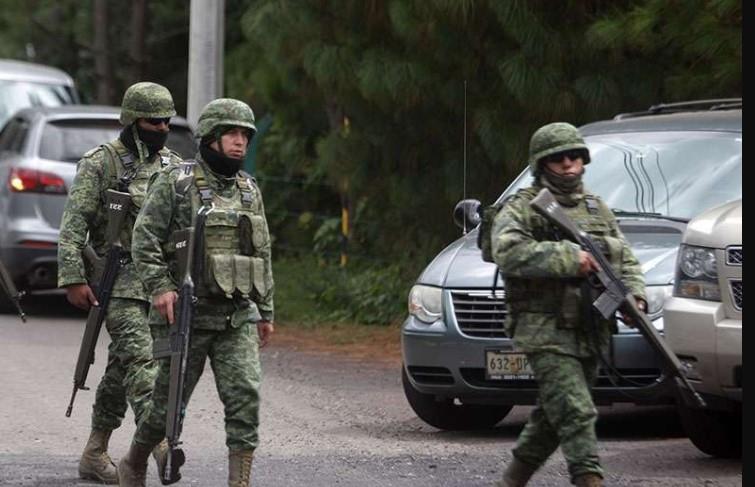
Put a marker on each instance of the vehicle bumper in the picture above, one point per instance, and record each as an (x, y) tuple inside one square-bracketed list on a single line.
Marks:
[(709, 344), (441, 360), (33, 265)]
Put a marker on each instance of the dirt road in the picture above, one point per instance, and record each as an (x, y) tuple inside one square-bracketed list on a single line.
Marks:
[(327, 418)]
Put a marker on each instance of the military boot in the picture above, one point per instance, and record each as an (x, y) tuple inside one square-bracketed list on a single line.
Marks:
[(588, 480), (95, 463), (517, 474), (132, 469), (160, 454), (239, 467)]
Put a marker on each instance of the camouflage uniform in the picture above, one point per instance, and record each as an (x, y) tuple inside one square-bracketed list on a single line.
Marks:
[(234, 292), (548, 318), (130, 371)]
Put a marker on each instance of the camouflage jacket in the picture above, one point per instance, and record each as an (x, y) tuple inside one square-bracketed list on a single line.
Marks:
[(543, 290), (85, 213), (171, 203)]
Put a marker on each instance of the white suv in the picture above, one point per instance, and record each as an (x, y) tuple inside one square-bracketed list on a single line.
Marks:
[(704, 327)]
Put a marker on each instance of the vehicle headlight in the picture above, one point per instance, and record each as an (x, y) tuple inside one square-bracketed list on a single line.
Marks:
[(657, 296), (425, 303), (696, 274)]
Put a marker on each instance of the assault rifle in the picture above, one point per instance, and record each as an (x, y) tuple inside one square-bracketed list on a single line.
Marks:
[(10, 290), (615, 294), (189, 254), (118, 207)]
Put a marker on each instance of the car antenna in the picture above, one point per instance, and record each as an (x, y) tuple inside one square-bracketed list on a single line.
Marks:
[(464, 190)]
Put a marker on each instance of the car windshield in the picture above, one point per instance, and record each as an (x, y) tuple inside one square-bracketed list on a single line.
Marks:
[(15, 95), (68, 140), (673, 174)]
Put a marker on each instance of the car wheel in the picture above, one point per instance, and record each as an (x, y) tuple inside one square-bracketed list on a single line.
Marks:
[(447, 415), (716, 433)]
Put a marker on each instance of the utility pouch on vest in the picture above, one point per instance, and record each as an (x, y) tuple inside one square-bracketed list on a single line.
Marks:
[(487, 215), (246, 246), (222, 278), (235, 273), (260, 284), (244, 273)]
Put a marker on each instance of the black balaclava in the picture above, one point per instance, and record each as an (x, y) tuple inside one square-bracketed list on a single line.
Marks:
[(152, 139), (217, 160)]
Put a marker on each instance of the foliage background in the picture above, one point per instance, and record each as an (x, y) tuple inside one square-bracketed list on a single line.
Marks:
[(367, 101)]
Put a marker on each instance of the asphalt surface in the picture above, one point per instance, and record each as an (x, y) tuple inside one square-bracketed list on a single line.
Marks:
[(326, 420)]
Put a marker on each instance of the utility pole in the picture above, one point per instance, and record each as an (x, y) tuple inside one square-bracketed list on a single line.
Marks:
[(206, 34)]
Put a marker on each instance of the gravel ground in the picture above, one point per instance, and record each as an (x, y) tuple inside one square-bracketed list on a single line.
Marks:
[(327, 419)]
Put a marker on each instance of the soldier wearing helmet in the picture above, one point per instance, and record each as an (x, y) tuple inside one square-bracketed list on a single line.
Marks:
[(233, 315), (124, 164), (550, 307)]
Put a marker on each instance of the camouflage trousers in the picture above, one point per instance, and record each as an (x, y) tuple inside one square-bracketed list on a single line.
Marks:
[(565, 414), (234, 359), (130, 371)]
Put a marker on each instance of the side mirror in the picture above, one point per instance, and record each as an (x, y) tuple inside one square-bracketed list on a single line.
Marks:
[(466, 214)]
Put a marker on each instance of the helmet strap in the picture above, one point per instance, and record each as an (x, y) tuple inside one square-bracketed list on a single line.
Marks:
[(141, 148)]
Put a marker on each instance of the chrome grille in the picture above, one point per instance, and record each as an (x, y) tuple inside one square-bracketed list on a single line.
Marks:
[(736, 293), (479, 313), (734, 256)]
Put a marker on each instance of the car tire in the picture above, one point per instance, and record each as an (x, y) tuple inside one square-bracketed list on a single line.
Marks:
[(447, 415), (716, 433)]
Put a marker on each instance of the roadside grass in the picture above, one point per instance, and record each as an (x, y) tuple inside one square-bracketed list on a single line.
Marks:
[(309, 293), (308, 315)]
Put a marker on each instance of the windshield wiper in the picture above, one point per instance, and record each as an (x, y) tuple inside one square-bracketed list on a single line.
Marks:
[(644, 214)]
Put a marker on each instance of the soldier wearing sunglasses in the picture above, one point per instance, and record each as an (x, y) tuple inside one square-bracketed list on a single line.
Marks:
[(126, 165), (550, 305)]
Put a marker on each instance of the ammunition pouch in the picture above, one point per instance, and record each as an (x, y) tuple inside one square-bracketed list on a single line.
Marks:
[(227, 275)]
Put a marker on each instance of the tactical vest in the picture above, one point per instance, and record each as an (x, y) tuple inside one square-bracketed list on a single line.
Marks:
[(129, 177), (563, 297), (234, 235)]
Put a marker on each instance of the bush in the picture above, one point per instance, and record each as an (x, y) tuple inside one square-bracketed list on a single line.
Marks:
[(308, 291)]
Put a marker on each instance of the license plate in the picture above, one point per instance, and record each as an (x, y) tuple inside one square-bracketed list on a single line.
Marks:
[(500, 365)]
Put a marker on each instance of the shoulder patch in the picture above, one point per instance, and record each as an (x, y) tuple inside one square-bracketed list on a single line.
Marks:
[(184, 175)]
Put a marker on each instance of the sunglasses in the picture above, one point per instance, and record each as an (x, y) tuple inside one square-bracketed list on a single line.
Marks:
[(158, 121), (573, 155)]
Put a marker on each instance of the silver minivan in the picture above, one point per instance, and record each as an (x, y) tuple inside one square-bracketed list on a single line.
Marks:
[(656, 170), (24, 84)]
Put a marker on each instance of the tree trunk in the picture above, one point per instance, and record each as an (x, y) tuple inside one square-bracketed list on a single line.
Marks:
[(138, 32), (101, 61)]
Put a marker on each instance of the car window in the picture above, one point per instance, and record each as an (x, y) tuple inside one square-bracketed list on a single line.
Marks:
[(677, 174), (68, 140), (15, 95), (181, 140), (7, 134)]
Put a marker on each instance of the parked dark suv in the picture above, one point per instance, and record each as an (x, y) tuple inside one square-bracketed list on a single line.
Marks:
[(656, 169), (39, 149)]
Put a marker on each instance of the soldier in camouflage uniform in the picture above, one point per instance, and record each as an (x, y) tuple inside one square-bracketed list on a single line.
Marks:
[(124, 164), (550, 315), (233, 315)]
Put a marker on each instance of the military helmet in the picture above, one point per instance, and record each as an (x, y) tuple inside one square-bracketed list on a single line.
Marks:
[(552, 138), (224, 112), (146, 100)]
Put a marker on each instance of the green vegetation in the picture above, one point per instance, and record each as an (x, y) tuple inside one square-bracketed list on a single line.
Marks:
[(367, 103), (309, 292)]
